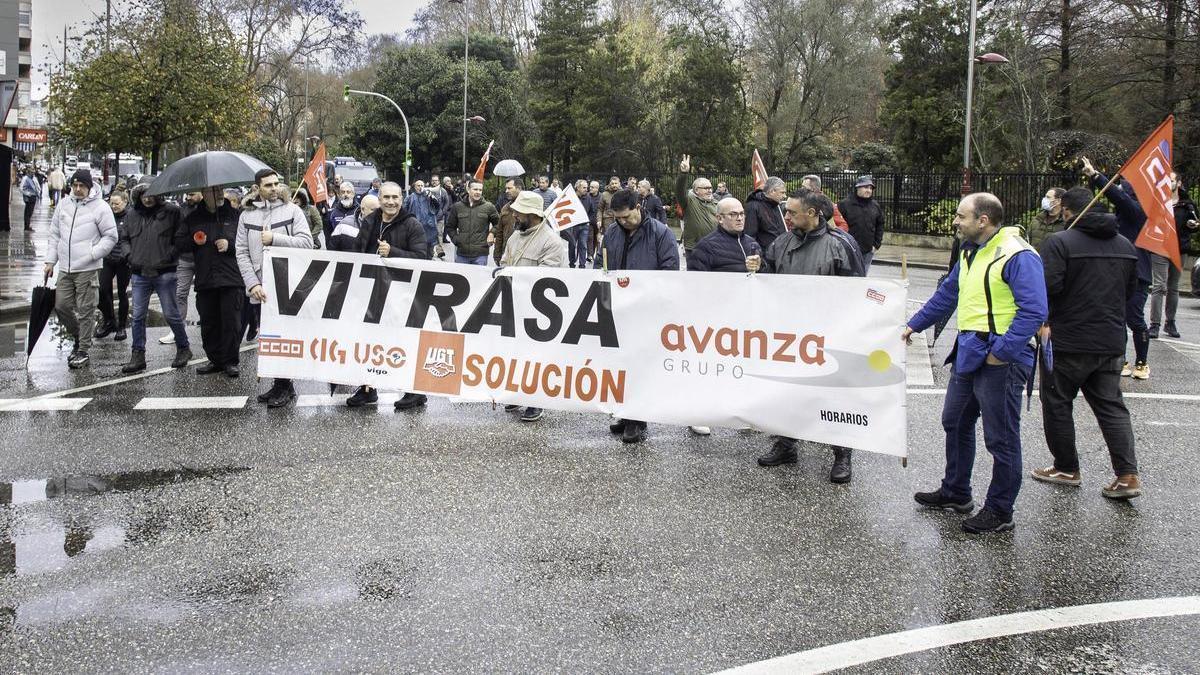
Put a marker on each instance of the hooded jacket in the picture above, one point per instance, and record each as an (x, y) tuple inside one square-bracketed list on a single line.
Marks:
[(154, 236), (404, 235), (283, 218), (1091, 271), (722, 251), (214, 269), (538, 246), (764, 219), (819, 252), (1130, 220), (865, 218), (650, 247), (82, 232)]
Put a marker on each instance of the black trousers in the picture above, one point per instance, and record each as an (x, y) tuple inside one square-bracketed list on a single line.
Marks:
[(29, 206), (121, 273), (1099, 377), (250, 316), (221, 323)]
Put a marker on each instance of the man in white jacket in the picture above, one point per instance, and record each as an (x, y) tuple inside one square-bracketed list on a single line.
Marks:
[(82, 232), (274, 221)]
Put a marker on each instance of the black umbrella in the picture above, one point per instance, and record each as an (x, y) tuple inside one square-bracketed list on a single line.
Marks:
[(41, 305), (216, 168)]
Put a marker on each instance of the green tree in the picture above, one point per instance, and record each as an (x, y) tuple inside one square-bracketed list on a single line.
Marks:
[(923, 104), (556, 78)]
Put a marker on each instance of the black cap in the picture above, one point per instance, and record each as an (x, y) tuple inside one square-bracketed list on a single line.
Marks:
[(83, 176)]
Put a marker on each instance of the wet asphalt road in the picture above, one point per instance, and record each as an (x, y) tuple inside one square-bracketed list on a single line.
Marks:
[(455, 539)]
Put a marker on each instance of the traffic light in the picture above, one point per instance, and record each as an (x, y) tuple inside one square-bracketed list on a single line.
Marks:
[(408, 157), (345, 92)]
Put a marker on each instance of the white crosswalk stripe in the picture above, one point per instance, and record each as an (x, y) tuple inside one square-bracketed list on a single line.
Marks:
[(191, 403), (920, 370), (42, 404)]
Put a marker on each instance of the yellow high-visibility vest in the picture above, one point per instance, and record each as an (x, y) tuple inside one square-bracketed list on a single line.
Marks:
[(985, 301)]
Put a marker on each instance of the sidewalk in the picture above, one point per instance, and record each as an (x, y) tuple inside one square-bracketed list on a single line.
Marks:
[(21, 255)]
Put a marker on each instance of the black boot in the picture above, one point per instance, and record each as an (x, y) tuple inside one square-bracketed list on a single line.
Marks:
[(137, 362), (617, 427), (270, 393), (1171, 330), (182, 356), (103, 330), (410, 401), (1153, 331), (363, 396), (285, 394), (840, 473), (782, 452), (634, 432), (120, 334)]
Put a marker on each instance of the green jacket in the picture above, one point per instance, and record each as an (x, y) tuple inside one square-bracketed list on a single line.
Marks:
[(468, 227), (699, 216)]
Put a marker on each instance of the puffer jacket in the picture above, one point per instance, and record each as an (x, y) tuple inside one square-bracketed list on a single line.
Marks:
[(819, 252), (650, 247), (538, 246), (214, 269), (764, 219), (154, 236), (82, 232), (289, 225), (468, 226), (722, 251)]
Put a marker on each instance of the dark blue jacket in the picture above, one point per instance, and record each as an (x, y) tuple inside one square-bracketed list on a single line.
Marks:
[(652, 206), (335, 214), (721, 251), (1130, 220), (651, 247)]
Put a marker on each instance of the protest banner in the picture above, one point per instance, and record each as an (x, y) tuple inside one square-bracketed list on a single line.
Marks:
[(816, 358)]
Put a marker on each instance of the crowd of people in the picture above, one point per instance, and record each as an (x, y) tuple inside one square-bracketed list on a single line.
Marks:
[(1085, 285)]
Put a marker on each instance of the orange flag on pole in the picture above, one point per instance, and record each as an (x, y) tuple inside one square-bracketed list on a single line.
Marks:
[(314, 177), (483, 162), (1149, 172), (758, 171)]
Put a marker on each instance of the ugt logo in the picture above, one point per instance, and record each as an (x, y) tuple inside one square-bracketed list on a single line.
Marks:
[(439, 361)]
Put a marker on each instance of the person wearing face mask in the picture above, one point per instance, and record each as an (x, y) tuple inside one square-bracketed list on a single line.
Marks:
[(1049, 218), (344, 206), (533, 244)]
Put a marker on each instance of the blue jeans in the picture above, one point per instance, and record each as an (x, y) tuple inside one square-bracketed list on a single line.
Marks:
[(164, 285), (577, 244), (471, 260), (431, 236), (994, 392)]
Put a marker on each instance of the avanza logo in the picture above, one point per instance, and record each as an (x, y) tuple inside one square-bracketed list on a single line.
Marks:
[(439, 362), (282, 347), (441, 359)]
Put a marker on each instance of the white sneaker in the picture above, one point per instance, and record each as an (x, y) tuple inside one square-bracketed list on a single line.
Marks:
[(701, 431), (1126, 371), (168, 339)]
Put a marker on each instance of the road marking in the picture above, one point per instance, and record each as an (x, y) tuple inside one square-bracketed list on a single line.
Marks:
[(869, 650), (191, 403), (28, 404), (323, 401), (1128, 394), (1178, 342), (920, 369)]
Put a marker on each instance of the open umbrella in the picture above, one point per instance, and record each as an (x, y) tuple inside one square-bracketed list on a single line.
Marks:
[(507, 168), (41, 305), (215, 168)]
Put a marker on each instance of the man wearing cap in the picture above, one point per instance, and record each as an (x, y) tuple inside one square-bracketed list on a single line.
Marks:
[(82, 231), (865, 217), (533, 243), (699, 206)]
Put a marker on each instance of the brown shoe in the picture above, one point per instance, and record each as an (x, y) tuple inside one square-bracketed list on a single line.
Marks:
[(1053, 475), (1124, 487)]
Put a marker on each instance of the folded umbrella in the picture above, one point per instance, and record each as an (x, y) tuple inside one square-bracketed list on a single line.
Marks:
[(41, 306), (215, 168)]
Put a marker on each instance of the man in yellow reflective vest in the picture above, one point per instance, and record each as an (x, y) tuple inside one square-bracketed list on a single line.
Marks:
[(999, 290)]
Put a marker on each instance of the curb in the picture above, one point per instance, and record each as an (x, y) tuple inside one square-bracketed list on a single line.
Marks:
[(915, 265)]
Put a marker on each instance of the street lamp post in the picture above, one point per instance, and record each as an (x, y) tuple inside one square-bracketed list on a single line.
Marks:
[(971, 61), (466, 55), (407, 148)]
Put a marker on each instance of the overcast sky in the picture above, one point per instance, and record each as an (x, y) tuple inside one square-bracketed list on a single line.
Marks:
[(50, 16)]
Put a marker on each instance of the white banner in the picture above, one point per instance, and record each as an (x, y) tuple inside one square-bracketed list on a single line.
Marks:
[(817, 358), (567, 210)]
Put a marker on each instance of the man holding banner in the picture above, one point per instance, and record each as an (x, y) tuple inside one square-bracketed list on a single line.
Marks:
[(999, 290)]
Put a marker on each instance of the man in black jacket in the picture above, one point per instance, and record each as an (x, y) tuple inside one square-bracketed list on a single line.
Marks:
[(393, 232), (220, 291), (1091, 272), (764, 213), (865, 217), (727, 248)]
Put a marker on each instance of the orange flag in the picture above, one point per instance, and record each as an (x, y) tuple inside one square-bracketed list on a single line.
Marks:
[(1149, 172), (483, 162), (314, 177), (758, 171)]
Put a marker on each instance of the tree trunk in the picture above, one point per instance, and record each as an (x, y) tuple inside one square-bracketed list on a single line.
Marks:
[(1064, 67), (155, 158)]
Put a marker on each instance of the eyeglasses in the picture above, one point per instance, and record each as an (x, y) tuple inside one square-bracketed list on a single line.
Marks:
[(735, 214)]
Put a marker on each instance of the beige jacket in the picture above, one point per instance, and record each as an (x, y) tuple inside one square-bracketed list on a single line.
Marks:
[(538, 246)]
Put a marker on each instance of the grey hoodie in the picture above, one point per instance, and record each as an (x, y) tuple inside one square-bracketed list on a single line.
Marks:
[(82, 232), (284, 219)]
